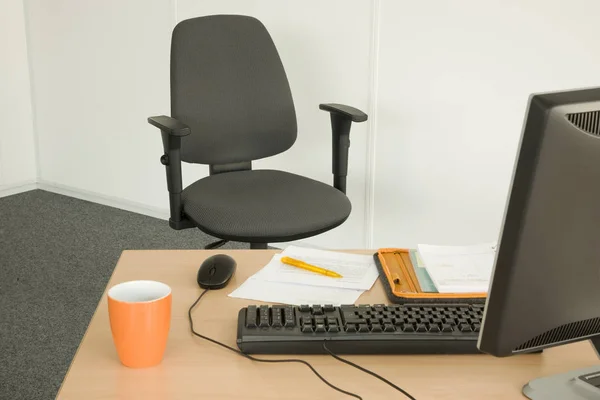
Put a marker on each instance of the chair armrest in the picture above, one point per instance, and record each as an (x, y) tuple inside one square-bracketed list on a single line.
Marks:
[(170, 125), (349, 112), (342, 117), (172, 131)]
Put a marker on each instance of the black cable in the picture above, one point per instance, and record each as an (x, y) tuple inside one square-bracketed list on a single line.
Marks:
[(381, 378), (292, 360)]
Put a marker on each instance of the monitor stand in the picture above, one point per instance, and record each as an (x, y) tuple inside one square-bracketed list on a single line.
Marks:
[(583, 384)]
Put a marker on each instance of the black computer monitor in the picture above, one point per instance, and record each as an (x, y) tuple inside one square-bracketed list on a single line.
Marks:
[(545, 288)]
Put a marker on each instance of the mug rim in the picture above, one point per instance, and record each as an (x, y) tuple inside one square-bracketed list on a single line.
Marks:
[(110, 293)]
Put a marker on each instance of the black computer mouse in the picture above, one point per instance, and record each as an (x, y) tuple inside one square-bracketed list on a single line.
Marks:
[(216, 271)]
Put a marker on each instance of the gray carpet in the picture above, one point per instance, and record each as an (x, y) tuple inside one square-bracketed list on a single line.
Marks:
[(56, 256)]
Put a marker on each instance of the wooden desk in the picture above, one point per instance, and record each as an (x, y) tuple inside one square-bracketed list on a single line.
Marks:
[(194, 368)]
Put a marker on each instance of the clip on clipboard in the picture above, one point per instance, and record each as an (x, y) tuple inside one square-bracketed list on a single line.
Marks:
[(400, 281)]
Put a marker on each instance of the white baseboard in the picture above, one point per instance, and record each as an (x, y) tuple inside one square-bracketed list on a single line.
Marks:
[(110, 201), (15, 188)]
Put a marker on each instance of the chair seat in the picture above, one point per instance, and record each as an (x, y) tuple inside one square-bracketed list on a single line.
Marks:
[(264, 206)]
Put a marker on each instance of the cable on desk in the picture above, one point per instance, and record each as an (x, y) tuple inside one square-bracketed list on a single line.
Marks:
[(381, 378), (291, 360)]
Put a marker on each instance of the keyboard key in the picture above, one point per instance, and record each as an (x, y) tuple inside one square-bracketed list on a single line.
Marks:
[(376, 328), (289, 320), (386, 321), (289, 323), (328, 307), (306, 320), (351, 328), (421, 328), (348, 315), (307, 329), (434, 328), (317, 310), (411, 321), (331, 321), (398, 321), (304, 308), (251, 324), (465, 328), (319, 328), (276, 316), (263, 316), (476, 327), (251, 317), (319, 320), (333, 328), (277, 323), (408, 328), (356, 321), (388, 328), (446, 328), (264, 323), (363, 328)]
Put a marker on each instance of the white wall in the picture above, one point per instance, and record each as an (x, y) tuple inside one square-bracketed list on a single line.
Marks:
[(17, 149), (454, 78), (99, 70), (445, 84)]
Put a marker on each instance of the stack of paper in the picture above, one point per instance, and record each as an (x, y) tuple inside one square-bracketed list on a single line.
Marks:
[(459, 269), (281, 283), (427, 285)]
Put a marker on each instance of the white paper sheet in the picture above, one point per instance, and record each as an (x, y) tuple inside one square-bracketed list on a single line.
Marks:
[(358, 270), (459, 269), (258, 289)]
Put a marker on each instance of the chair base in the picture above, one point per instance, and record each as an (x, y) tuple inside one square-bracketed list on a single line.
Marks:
[(215, 245)]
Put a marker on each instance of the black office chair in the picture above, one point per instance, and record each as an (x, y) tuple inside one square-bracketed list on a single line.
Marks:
[(231, 104)]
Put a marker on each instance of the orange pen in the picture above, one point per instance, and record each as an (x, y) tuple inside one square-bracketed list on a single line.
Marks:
[(301, 264)]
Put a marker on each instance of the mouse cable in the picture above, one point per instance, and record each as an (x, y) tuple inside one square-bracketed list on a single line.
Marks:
[(381, 378), (290, 360)]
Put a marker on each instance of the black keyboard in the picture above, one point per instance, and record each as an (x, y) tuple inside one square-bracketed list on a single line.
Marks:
[(360, 329)]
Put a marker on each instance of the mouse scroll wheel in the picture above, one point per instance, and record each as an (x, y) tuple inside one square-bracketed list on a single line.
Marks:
[(212, 271)]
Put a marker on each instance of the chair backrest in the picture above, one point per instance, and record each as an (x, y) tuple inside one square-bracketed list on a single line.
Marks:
[(229, 85)]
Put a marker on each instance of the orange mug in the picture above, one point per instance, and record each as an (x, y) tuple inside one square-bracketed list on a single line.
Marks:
[(140, 319)]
